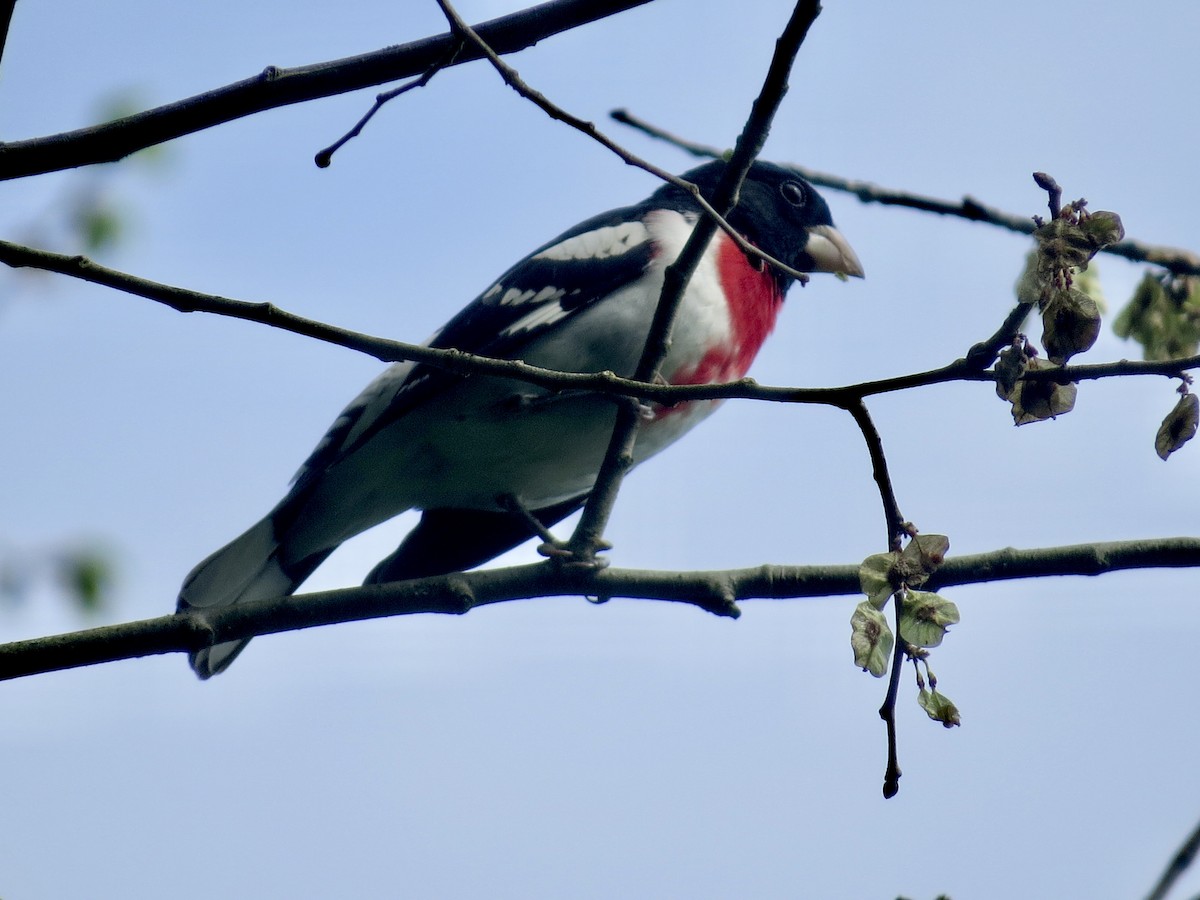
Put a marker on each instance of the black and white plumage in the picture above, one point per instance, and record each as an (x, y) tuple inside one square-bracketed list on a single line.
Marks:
[(453, 446)]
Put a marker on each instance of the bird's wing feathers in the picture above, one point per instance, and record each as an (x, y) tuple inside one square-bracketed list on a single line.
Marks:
[(568, 274)]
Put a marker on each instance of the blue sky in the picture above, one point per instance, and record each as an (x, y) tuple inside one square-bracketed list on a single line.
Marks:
[(551, 748)]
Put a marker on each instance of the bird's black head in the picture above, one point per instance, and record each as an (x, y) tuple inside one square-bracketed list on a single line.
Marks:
[(782, 214)]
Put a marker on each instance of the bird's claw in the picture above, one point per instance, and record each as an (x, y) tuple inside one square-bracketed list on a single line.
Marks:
[(576, 560)]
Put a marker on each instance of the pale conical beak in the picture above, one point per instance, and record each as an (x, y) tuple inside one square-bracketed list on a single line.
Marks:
[(830, 252)]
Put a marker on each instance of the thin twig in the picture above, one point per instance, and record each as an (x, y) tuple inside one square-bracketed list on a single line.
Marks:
[(276, 87), (6, 14), (983, 354), (700, 151), (1173, 259), (887, 710), (712, 591), (514, 80), (1179, 864), (618, 459), (896, 526), (1053, 193), (325, 157)]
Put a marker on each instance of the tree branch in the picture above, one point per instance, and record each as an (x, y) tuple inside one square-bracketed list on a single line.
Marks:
[(897, 528), (887, 709), (1181, 262), (713, 591), (514, 80), (324, 157), (896, 525), (6, 14), (618, 459), (275, 87), (185, 300), (1180, 862)]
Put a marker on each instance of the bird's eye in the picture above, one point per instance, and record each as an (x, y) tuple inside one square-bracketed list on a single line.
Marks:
[(793, 192)]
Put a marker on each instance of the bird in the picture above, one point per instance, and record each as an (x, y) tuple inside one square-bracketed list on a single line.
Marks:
[(487, 460)]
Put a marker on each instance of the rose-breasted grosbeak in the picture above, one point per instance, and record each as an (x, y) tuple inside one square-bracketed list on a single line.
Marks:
[(458, 447)]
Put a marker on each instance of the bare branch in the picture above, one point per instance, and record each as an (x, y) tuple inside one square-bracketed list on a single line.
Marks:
[(6, 14), (185, 300), (1173, 259), (1075, 559), (887, 710), (276, 87), (188, 301), (618, 458), (701, 151), (514, 80), (896, 525), (325, 157), (983, 354), (1180, 862), (713, 591)]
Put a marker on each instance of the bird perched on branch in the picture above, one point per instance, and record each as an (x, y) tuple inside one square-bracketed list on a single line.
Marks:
[(482, 456)]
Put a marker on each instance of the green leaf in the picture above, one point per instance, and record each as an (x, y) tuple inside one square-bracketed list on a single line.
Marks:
[(1178, 427), (1070, 324), (1010, 366), (939, 708), (875, 578), (921, 558), (1064, 243), (1036, 401), (1103, 228), (871, 639), (925, 618)]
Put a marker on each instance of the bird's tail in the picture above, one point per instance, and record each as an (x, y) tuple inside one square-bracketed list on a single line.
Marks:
[(248, 568)]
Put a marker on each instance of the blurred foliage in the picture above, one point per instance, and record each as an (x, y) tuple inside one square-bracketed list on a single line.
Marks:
[(88, 214), (1163, 316), (1088, 281), (87, 576), (84, 573), (96, 223)]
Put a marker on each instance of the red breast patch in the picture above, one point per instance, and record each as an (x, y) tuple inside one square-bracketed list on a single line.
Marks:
[(754, 300)]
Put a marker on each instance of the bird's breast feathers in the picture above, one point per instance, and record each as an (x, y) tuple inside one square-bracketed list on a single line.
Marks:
[(727, 312)]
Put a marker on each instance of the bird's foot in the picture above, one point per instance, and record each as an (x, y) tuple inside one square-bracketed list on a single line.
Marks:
[(576, 559), (562, 553)]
